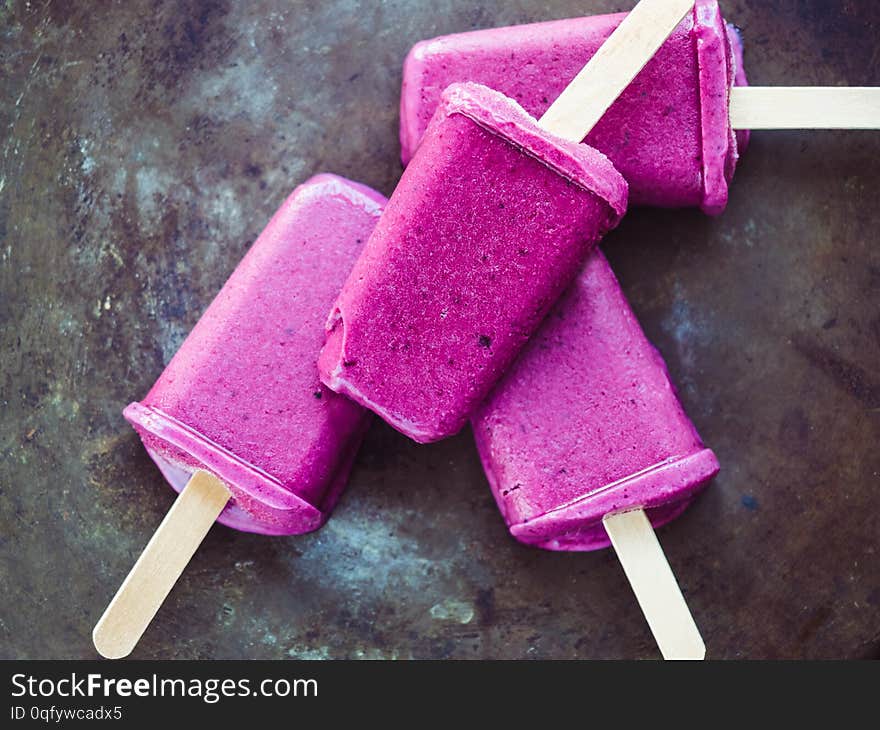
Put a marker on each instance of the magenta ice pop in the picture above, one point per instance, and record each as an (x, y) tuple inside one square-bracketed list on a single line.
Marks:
[(241, 398), (668, 133), (586, 423), (489, 223)]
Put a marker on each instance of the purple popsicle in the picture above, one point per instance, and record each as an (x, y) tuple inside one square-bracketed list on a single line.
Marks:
[(488, 225), (668, 133), (587, 423), (241, 398)]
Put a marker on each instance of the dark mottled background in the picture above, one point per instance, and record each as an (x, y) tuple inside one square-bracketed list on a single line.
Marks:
[(145, 144)]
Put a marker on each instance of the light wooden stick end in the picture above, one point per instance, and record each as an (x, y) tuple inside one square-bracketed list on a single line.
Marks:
[(805, 107), (654, 584), (160, 565)]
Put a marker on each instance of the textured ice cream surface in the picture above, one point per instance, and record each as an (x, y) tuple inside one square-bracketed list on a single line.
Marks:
[(587, 422), (242, 398), (491, 220), (668, 133)]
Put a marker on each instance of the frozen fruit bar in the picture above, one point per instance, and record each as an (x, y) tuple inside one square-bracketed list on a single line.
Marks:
[(241, 399), (587, 423), (490, 222), (668, 133)]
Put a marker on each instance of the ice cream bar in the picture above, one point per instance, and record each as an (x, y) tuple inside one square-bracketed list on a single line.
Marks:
[(587, 423), (488, 225), (668, 133), (241, 399)]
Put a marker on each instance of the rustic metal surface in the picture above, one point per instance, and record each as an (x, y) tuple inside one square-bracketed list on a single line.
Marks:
[(143, 147)]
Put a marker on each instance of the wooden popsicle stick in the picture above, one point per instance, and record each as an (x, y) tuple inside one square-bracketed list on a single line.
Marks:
[(160, 565), (654, 584), (617, 62), (805, 107)]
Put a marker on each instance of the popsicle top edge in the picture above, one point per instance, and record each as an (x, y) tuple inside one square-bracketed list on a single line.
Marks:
[(327, 183), (717, 63), (239, 476), (581, 164), (674, 481)]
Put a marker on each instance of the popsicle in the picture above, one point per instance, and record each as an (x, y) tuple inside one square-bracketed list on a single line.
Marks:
[(239, 414), (670, 133), (666, 133), (488, 224), (587, 424), (491, 220)]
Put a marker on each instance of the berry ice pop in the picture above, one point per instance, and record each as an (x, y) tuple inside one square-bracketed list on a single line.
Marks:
[(239, 420), (585, 443), (668, 133), (587, 423), (241, 398), (487, 226)]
